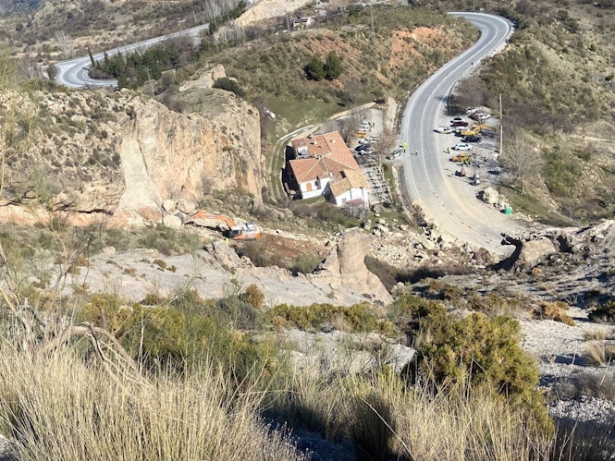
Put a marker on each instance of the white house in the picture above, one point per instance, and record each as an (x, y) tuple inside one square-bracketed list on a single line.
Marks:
[(321, 162), (352, 190), (301, 23)]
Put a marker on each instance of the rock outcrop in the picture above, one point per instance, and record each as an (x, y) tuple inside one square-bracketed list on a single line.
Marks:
[(493, 197), (119, 156), (345, 266), (205, 79)]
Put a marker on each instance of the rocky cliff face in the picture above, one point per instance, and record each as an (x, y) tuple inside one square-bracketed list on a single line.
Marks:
[(118, 156)]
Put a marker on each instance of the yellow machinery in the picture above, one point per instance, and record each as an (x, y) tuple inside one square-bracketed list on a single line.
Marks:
[(460, 158), (224, 224)]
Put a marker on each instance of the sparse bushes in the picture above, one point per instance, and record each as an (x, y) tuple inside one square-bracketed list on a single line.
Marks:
[(229, 85), (254, 296), (181, 332), (555, 311), (305, 264), (388, 275), (604, 313), (358, 317)]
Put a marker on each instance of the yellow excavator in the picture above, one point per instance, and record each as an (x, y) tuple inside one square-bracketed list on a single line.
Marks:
[(225, 225), (474, 131)]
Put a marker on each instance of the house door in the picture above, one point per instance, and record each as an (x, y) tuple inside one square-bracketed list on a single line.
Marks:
[(309, 187)]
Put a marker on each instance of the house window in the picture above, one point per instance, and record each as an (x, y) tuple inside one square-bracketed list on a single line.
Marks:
[(344, 201)]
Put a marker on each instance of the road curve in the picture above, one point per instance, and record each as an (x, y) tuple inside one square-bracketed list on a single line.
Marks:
[(74, 73), (425, 175)]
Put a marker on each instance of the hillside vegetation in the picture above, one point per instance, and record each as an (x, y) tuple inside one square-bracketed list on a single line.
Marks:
[(405, 47), (63, 29), (556, 82)]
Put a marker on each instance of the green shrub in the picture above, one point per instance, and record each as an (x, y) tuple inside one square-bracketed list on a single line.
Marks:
[(358, 317), (254, 296), (492, 304), (315, 68), (160, 263), (473, 351), (604, 313), (178, 333), (305, 263), (555, 311), (227, 84)]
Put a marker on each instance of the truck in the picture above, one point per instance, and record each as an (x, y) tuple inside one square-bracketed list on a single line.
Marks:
[(225, 225)]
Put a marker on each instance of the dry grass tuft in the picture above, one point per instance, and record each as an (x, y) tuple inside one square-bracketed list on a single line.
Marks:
[(597, 335), (386, 419), (59, 408), (598, 353)]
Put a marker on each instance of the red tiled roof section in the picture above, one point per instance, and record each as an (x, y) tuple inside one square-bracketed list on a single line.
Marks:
[(328, 153), (352, 180)]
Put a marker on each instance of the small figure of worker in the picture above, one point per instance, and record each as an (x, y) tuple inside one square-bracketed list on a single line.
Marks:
[(416, 152), (448, 150)]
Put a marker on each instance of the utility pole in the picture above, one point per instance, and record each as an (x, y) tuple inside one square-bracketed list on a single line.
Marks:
[(501, 127), (371, 18)]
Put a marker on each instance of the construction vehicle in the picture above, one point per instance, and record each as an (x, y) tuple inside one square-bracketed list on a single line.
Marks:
[(460, 158), (225, 225), (471, 132), (474, 131)]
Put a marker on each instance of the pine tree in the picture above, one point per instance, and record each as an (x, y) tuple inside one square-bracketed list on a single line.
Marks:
[(91, 57), (333, 66), (315, 68)]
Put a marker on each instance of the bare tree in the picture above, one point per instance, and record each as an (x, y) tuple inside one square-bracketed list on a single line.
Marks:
[(520, 160), (66, 44), (469, 93), (350, 125), (386, 143)]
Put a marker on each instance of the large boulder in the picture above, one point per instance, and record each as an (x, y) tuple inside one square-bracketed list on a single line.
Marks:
[(534, 252), (223, 254), (345, 266)]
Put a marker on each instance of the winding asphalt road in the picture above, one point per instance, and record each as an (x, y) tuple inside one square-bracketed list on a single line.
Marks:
[(425, 175), (74, 73)]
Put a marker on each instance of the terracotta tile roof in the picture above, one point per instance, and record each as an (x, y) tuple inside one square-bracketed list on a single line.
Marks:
[(327, 154), (351, 180)]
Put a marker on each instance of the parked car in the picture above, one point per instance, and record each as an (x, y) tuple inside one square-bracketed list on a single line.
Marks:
[(361, 134), (457, 119), (362, 147), (444, 130), (459, 123), (471, 110), (473, 138), (462, 146), (396, 153), (483, 116)]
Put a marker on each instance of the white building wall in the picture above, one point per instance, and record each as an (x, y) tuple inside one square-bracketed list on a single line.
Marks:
[(352, 194), (319, 187)]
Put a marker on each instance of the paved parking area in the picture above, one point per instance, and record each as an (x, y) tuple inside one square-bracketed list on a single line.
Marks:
[(483, 158)]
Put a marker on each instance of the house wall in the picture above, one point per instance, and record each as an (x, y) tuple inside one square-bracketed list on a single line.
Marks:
[(318, 187), (352, 194)]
